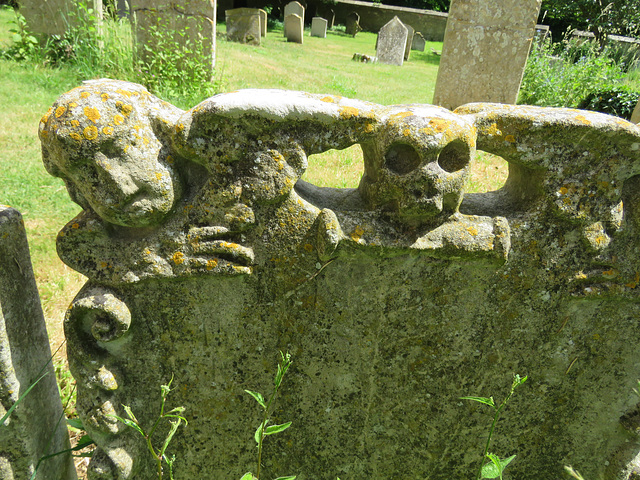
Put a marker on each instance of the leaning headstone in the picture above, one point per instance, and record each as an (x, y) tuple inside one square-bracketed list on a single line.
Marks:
[(294, 27), (263, 23), (319, 27), (186, 25), (635, 116), (36, 427), (418, 43), (410, 34), (53, 17), (485, 50), (292, 8), (244, 25), (352, 24), (392, 41), (396, 298)]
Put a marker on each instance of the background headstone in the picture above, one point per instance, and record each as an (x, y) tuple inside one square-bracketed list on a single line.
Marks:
[(293, 8), (53, 17), (294, 27), (122, 8), (263, 23), (319, 27), (352, 24), (244, 25), (485, 51), (410, 34), (392, 41), (635, 116), (418, 42), (37, 426), (189, 23)]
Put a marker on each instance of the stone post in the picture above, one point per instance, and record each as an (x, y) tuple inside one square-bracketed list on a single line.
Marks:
[(37, 426), (485, 50)]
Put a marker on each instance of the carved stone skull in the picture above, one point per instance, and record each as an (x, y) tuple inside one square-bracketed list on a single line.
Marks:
[(417, 163)]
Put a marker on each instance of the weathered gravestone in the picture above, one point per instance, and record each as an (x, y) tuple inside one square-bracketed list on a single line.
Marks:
[(319, 27), (635, 116), (407, 48), (485, 50), (244, 25), (293, 25), (122, 8), (53, 17), (352, 24), (418, 43), (36, 427), (263, 22), (392, 41), (184, 25), (292, 8), (206, 255)]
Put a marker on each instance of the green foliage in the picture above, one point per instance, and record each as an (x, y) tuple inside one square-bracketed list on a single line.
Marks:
[(618, 100), (264, 429), (158, 451), (495, 467), (562, 75), (25, 46)]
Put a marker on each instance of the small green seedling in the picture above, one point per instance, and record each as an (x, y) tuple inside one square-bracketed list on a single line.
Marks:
[(495, 466), (574, 473), (264, 430), (158, 453)]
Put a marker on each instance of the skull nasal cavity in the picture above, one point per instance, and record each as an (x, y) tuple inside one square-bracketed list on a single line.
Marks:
[(401, 158), (454, 156)]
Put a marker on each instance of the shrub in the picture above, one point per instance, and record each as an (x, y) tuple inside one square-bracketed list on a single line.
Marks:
[(618, 100)]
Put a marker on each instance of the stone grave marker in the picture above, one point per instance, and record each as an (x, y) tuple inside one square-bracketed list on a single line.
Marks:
[(410, 33), (244, 25), (635, 116), (395, 298), (485, 50), (293, 8), (189, 23), (263, 23), (52, 17), (36, 427), (319, 27), (418, 43), (293, 25), (392, 41), (122, 8), (352, 24)]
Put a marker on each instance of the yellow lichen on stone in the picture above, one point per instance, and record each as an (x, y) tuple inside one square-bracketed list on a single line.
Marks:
[(610, 273), (90, 132), (472, 230), (75, 226), (85, 94), (357, 233), (580, 275), (92, 114), (179, 128), (368, 127), (178, 258), (76, 136), (159, 176), (127, 109), (493, 130), (126, 93), (45, 117), (348, 112), (327, 100), (75, 123), (105, 97), (60, 111), (583, 119), (635, 282), (118, 119), (107, 130), (510, 139), (211, 264), (563, 190), (406, 132)]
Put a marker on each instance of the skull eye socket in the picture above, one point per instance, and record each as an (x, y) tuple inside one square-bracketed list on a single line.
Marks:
[(401, 158), (454, 157)]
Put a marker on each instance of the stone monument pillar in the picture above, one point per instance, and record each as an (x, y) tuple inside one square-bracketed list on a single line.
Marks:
[(486, 45)]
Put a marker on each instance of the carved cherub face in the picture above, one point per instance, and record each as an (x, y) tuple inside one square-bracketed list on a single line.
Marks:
[(101, 140), (416, 166)]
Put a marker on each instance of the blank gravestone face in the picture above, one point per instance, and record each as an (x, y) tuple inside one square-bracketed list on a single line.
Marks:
[(392, 40), (352, 24), (292, 8), (418, 42), (294, 28), (410, 34), (318, 27), (263, 23), (244, 25)]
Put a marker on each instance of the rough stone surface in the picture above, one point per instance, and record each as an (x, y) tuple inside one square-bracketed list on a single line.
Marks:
[(352, 24), (418, 42), (319, 27), (485, 51), (407, 49), (294, 26), (244, 25), (188, 23), (292, 8), (206, 255), (33, 429), (53, 17), (392, 42)]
